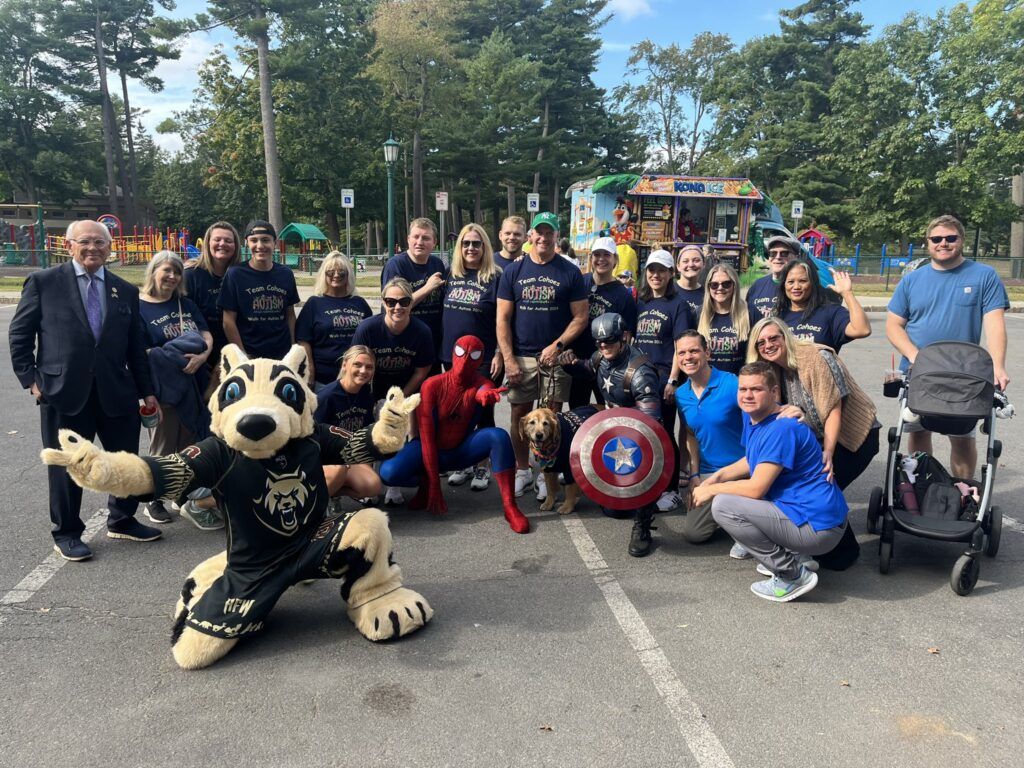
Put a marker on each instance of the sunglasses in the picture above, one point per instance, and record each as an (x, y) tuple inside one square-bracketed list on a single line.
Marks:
[(722, 286), (762, 343), (333, 273), (936, 239), (391, 303), (472, 243), (780, 254)]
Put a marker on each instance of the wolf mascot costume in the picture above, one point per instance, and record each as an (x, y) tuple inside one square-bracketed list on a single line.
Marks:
[(265, 466)]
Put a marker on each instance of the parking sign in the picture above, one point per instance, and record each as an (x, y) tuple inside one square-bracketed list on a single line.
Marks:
[(533, 202), (348, 198), (441, 201)]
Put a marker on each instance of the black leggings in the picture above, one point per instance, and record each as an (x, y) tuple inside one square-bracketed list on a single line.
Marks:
[(668, 420), (848, 465)]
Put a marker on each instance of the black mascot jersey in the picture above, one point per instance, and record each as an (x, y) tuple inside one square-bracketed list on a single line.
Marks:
[(277, 534)]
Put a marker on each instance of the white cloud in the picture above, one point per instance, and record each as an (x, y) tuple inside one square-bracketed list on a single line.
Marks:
[(630, 9), (180, 81), (615, 47)]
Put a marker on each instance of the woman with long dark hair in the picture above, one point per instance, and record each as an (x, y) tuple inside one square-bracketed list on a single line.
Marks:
[(804, 306)]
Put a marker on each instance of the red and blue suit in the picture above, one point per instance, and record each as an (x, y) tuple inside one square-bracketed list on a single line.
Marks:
[(449, 410)]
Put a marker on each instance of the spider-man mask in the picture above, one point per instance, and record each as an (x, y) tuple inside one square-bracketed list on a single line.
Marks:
[(467, 355)]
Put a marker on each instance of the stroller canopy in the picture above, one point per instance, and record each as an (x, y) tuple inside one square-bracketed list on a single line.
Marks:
[(953, 380)]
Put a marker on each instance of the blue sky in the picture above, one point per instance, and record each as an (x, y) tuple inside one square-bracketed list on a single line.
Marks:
[(663, 21)]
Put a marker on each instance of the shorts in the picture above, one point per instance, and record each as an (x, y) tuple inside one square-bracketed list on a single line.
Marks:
[(909, 427), (537, 384), (238, 603)]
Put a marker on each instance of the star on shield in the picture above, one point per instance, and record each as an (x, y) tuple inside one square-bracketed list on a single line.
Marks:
[(621, 455)]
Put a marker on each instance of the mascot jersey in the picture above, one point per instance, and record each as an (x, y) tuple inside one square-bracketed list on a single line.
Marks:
[(277, 534)]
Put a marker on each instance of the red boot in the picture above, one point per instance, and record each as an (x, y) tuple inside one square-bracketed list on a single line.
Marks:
[(517, 521)]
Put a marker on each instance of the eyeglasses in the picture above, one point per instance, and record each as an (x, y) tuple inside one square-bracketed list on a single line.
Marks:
[(391, 303), (936, 239), (773, 340), (98, 243), (784, 253), (337, 273), (722, 286), (472, 243)]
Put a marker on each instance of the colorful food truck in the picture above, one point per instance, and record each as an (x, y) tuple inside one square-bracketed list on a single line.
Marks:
[(659, 211)]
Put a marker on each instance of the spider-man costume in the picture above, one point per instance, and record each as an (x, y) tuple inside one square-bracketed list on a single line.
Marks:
[(450, 405)]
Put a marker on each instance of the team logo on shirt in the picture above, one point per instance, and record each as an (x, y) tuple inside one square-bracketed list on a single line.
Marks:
[(282, 504)]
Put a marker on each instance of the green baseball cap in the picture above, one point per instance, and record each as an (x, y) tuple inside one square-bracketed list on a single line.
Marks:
[(545, 217)]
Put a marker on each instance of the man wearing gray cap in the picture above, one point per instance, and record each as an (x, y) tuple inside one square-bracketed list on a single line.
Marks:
[(762, 294)]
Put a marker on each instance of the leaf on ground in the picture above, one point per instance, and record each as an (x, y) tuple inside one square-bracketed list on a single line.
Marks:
[(547, 728), (682, 626), (13, 432), (933, 651), (844, 683)]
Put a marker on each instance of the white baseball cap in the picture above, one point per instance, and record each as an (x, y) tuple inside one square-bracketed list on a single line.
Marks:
[(662, 258), (605, 244)]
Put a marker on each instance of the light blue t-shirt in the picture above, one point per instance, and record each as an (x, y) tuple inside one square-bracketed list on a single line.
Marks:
[(802, 491), (715, 420), (947, 305)]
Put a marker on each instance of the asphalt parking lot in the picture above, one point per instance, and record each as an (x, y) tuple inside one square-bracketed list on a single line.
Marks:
[(551, 649)]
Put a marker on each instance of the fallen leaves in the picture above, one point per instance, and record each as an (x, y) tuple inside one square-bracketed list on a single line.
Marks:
[(546, 728), (844, 683), (933, 651)]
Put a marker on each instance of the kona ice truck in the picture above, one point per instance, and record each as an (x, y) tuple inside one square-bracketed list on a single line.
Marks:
[(660, 211)]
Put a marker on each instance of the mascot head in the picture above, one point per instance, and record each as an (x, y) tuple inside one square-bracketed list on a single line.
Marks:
[(262, 404)]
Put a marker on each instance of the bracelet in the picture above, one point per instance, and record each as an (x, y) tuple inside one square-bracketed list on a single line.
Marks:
[(695, 474)]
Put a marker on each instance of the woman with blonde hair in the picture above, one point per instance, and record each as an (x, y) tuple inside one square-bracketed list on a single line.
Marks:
[(222, 249), (329, 318), (470, 307), (725, 319), (176, 331), (348, 403)]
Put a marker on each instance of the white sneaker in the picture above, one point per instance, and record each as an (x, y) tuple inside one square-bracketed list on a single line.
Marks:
[(669, 500), (806, 561), (523, 479), (393, 497), (460, 476), (481, 479), (739, 552), (542, 488)]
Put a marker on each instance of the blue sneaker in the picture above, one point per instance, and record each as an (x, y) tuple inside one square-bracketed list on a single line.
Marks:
[(739, 552), (75, 550), (778, 590), (806, 561), (133, 530)]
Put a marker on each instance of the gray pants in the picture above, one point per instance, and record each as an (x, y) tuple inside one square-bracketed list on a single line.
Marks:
[(699, 525), (770, 536)]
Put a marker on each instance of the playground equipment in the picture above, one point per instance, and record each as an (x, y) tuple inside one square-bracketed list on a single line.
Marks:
[(136, 248)]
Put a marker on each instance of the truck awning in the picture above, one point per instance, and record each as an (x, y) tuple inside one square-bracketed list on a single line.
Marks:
[(696, 186)]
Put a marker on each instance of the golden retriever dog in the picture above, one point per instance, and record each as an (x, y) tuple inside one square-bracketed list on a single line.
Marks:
[(541, 428)]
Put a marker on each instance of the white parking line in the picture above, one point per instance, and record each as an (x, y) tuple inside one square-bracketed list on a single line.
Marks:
[(700, 739), (42, 573), (1012, 524)]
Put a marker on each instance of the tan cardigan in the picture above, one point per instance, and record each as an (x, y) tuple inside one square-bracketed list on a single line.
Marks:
[(815, 376)]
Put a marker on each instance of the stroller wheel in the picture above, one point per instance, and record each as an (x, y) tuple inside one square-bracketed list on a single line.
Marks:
[(964, 575), (995, 531), (885, 542), (874, 509)]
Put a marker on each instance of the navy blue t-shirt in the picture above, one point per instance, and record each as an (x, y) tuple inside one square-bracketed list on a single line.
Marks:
[(659, 323), (338, 408), (398, 356), (203, 288), (694, 300), (327, 323), (826, 325), (470, 309), (728, 351), (164, 322), (609, 297), (502, 262), (762, 297), (261, 301), (542, 295), (428, 310)]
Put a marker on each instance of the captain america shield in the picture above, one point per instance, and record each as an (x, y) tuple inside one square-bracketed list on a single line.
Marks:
[(621, 458)]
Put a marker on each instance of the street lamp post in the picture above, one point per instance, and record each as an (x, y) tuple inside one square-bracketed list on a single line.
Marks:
[(391, 148)]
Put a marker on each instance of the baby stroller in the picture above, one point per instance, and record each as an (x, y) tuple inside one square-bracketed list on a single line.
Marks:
[(949, 389)]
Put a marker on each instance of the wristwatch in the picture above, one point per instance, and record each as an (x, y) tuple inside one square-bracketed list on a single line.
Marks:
[(559, 345), (674, 382)]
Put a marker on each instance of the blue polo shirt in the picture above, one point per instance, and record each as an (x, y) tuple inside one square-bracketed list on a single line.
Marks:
[(802, 491), (715, 420)]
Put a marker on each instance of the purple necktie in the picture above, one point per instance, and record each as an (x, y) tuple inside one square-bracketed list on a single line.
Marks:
[(92, 307)]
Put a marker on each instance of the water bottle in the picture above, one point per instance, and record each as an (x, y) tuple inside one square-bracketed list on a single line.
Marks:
[(905, 490)]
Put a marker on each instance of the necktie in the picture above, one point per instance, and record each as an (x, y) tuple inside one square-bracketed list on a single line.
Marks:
[(92, 307)]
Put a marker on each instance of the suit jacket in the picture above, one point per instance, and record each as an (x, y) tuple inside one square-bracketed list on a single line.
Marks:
[(53, 346)]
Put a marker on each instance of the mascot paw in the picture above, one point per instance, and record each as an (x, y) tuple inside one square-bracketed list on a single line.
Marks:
[(392, 615), (389, 432), (78, 455)]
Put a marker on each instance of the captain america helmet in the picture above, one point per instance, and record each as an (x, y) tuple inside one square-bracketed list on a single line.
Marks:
[(608, 327)]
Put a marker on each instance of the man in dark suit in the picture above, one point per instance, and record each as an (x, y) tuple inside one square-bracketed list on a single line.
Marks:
[(76, 344)]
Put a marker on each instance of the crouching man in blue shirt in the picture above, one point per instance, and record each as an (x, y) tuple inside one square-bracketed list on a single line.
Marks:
[(777, 501)]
